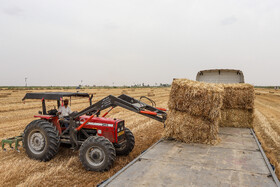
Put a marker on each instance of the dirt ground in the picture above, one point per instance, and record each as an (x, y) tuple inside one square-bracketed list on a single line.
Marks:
[(66, 169)]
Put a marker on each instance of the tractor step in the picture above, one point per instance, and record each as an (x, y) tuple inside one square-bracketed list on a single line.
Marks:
[(10, 141)]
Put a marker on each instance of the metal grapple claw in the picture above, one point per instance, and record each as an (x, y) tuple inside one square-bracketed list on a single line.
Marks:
[(10, 141)]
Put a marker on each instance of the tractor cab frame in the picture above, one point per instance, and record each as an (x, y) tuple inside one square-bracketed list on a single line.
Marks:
[(58, 96)]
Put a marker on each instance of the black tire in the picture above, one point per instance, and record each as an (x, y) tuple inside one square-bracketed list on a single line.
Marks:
[(128, 145), (97, 154), (41, 140)]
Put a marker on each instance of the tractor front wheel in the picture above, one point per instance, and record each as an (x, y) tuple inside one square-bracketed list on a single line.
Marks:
[(128, 144), (41, 140), (97, 154)]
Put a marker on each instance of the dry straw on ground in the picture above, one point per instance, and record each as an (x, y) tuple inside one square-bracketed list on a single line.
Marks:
[(269, 137), (195, 111)]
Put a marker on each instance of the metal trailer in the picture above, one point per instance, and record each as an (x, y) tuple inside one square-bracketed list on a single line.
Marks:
[(220, 76), (237, 161)]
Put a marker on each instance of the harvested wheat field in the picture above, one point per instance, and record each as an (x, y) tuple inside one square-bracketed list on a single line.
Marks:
[(267, 124), (66, 169)]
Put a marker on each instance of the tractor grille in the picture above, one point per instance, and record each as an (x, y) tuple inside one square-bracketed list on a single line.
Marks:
[(109, 135)]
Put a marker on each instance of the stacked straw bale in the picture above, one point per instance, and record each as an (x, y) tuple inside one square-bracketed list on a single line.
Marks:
[(195, 111), (238, 106)]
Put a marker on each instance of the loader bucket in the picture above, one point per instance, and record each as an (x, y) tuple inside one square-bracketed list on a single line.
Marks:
[(10, 141)]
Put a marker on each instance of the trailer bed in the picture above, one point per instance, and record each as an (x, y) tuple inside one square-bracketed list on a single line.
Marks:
[(236, 161)]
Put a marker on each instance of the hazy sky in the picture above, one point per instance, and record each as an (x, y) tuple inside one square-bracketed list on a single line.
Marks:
[(61, 42)]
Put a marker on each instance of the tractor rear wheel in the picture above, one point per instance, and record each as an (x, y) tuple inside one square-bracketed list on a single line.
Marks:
[(128, 145), (41, 140), (97, 154)]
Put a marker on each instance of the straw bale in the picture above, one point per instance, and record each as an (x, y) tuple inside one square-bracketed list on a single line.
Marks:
[(196, 98), (191, 129), (150, 94), (240, 118), (238, 96), (4, 94)]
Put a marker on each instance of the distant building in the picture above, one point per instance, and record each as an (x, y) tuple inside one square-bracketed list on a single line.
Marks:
[(220, 76)]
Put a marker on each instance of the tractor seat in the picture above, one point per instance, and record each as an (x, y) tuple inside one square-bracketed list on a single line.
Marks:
[(52, 112)]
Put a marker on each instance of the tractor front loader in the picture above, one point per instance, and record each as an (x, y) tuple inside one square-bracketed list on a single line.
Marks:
[(99, 139)]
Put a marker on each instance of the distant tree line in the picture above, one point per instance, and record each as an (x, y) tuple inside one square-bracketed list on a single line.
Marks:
[(143, 85)]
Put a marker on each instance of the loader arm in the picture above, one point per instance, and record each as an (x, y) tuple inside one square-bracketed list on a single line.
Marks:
[(123, 101), (126, 102)]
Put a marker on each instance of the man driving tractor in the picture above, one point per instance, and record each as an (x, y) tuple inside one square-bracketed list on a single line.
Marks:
[(63, 112)]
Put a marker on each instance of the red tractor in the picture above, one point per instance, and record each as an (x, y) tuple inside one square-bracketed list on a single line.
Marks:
[(98, 139)]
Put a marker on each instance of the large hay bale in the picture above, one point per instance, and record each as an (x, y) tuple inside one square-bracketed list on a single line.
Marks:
[(2, 95), (238, 106), (240, 118), (196, 98), (238, 96), (191, 129), (195, 111)]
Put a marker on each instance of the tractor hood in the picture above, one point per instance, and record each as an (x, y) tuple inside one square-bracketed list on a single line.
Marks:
[(99, 120)]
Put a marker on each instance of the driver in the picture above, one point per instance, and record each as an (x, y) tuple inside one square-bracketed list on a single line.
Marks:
[(64, 111)]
